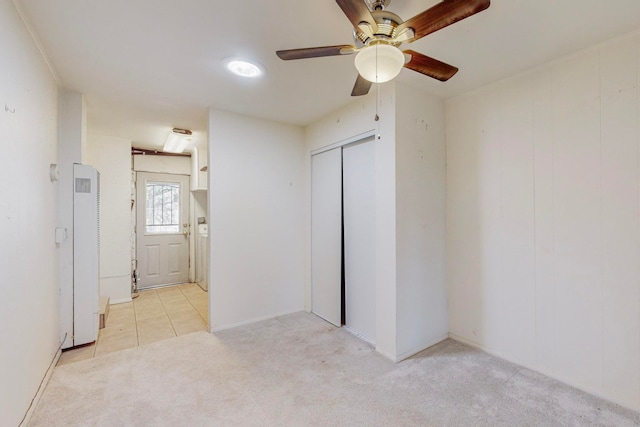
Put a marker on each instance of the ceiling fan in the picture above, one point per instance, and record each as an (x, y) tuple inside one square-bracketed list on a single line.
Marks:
[(379, 33)]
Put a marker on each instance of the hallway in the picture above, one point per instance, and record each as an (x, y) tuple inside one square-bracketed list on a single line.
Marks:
[(156, 314)]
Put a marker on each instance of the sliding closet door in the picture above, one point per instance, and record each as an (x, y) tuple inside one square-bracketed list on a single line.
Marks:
[(326, 235), (359, 238)]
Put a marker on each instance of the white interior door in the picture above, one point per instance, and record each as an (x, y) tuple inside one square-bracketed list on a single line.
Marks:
[(163, 229), (358, 163), (326, 235)]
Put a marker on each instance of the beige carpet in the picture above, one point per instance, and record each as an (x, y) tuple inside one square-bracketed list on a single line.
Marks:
[(300, 371)]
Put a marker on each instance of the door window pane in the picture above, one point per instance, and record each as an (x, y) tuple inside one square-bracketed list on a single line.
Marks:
[(163, 207)]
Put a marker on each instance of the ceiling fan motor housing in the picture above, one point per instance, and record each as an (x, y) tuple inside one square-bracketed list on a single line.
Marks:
[(386, 33)]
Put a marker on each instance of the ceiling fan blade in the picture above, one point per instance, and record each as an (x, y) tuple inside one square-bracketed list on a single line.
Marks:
[(315, 52), (361, 87), (429, 67), (357, 12), (441, 15)]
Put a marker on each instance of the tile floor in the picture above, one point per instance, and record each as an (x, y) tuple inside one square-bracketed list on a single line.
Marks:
[(156, 314)]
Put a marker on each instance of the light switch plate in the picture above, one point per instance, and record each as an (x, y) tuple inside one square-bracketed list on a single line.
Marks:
[(61, 234)]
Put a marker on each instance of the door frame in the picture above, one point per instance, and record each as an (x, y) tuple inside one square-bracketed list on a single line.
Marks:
[(357, 139), (371, 133), (186, 205)]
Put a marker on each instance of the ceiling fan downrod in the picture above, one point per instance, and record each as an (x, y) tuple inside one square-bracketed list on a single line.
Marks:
[(378, 4)]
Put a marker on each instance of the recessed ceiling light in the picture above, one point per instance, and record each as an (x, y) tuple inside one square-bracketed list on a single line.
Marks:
[(244, 68)]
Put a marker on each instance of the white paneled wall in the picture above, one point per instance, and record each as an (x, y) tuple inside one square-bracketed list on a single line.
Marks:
[(543, 219), (421, 288), (29, 316)]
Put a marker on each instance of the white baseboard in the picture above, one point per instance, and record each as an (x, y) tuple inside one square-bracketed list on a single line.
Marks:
[(408, 354), (117, 288), (360, 336), (547, 373), (120, 301), (218, 328), (387, 355)]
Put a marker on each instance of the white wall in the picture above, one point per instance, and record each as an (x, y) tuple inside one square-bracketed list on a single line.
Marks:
[(543, 219), (28, 254), (256, 210), (111, 156), (355, 119), (421, 288)]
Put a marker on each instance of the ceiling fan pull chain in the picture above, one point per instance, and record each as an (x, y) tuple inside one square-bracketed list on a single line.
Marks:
[(377, 118)]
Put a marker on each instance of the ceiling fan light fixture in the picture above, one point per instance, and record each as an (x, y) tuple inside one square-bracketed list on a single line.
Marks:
[(244, 68), (380, 62)]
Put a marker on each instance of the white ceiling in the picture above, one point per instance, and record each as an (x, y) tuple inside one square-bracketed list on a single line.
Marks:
[(146, 66)]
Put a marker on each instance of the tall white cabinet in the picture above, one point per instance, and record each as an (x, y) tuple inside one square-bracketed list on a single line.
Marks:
[(86, 255)]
